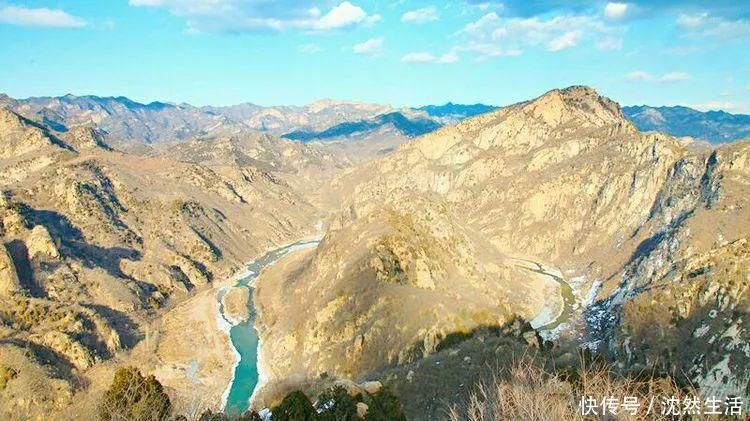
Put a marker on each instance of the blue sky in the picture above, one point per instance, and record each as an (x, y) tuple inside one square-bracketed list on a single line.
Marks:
[(403, 52)]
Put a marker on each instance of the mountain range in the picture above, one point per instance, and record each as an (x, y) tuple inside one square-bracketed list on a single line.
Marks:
[(124, 119), (713, 126), (543, 227), (401, 124), (474, 224)]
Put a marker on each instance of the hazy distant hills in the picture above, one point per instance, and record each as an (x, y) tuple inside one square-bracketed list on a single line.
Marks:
[(124, 119), (453, 113), (120, 117), (402, 124), (714, 126)]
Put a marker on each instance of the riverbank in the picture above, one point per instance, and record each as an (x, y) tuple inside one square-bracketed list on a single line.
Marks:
[(195, 368), (192, 353), (243, 337), (278, 374)]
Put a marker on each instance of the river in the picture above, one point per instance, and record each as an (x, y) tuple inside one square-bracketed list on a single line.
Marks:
[(244, 336), (543, 322)]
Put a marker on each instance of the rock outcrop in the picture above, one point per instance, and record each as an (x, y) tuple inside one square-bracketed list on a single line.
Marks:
[(85, 137), (9, 283), (40, 243), (236, 305)]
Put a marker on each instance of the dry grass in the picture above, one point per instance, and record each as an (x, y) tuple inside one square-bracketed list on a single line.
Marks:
[(528, 392)]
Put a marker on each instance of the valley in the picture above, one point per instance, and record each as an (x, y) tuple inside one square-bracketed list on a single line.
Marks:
[(238, 263)]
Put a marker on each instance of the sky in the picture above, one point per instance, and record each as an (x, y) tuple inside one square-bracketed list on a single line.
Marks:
[(397, 52)]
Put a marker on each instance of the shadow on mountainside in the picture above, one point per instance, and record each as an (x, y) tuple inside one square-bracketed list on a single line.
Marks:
[(427, 387), (20, 255), (74, 245), (125, 327), (57, 365)]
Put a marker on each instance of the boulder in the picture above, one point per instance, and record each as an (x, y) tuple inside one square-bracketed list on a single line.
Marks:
[(351, 388), (372, 387), (362, 410), (195, 275), (40, 243), (74, 351)]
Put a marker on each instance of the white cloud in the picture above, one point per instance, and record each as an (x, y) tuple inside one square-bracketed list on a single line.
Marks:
[(564, 41), (310, 48), (487, 50), (372, 47), (692, 21), (674, 77), (255, 15), (490, 20), (639, 76), (609, 43), (484, 6), (342, 16), (420, 57), (493, 35), (448, 58), (615, 11), (40, 17), (425, 57), (646, 77), (703, 24), (423, 15), (720, 105)]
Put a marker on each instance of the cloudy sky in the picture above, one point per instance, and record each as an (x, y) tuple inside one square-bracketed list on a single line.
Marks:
[(401, 52)]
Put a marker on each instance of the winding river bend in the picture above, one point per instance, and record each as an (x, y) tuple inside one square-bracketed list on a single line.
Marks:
[(244, 336), (543, 323)]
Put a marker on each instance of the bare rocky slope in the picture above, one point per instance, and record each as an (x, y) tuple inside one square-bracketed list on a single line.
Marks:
[(439, 238), (97, 245)]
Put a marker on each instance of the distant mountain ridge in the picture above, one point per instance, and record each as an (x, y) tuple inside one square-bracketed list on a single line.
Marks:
[(156, 122), (713, 126), (404, 125), (454, 113), (124, 119)]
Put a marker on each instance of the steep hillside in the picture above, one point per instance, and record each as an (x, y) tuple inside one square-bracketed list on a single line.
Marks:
[(466, 227), (714, 126), (98, 246)]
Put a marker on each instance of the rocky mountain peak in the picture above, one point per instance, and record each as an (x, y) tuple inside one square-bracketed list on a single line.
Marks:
[(579, 105), (10, 120), (85, 137)]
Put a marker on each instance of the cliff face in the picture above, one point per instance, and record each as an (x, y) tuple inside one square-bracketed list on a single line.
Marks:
[(682, 299), (563, 180)]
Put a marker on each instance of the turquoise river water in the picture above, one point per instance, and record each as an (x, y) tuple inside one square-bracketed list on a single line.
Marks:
[(245, 337)]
